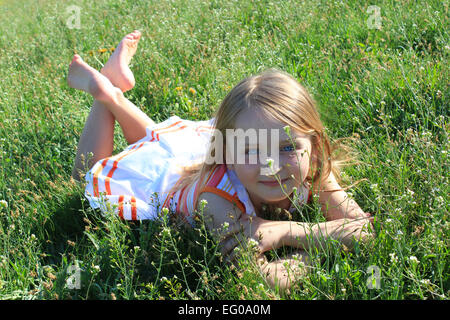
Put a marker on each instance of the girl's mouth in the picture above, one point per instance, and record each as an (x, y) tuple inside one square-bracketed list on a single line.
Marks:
[(274, 183)]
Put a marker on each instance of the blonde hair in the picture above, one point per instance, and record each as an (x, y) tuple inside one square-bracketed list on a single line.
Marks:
[(279, 95)]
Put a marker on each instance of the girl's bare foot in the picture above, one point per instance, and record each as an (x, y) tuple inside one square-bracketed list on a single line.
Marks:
[(83, 77), (116, 68)]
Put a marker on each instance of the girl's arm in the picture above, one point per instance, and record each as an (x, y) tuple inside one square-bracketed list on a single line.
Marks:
[(336, 204), (233, 227)]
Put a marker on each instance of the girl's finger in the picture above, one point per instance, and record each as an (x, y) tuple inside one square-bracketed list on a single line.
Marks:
[(230, 243), (227, 245)]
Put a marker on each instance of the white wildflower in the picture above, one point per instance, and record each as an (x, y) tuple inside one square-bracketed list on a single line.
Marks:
[(316, 197), (270, 162), (253, 243), (394, 258), (3, 204), (414, 259), (166, 232), (203, 203)]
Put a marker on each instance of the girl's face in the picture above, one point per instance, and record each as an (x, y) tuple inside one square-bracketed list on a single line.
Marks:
[(260, 180)]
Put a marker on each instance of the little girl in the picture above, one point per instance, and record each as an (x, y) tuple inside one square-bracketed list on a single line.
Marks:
[(164, 165)]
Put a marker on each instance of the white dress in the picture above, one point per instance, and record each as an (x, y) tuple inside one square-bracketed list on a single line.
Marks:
[(135, 183)]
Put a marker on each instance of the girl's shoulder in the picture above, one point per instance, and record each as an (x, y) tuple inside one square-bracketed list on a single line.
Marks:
[(219, 207), (217, 211), (218, 184)]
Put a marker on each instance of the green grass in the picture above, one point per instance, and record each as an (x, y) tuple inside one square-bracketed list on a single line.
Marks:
[(388, 87)]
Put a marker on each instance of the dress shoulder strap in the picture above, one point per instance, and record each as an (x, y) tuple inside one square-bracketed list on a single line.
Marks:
[(219, 183)]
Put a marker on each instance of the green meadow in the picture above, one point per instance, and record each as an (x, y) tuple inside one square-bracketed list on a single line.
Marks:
[(378, 71)]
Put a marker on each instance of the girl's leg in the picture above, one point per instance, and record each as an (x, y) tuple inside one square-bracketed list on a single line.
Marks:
[(97, 138), (131, 119), (98, 133)]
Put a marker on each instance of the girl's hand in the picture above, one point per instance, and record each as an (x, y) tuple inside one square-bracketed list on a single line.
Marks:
[(310, 235), (266, 234), (346, 231)]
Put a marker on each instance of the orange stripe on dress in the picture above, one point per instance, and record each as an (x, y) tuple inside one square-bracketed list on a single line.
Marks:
[(204, 128), (165, 131), (229, 186), (179, 200), (133, 209), (167, 127), (174, 129), (121, 206), (218, 175), (169, 131), (162, 129), (195, 195), (114, 167), (95, 179), (210, 173), (167, 201), (226, 196)]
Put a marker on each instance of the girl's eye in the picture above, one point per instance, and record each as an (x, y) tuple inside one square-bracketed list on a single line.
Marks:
[(287, 148)]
